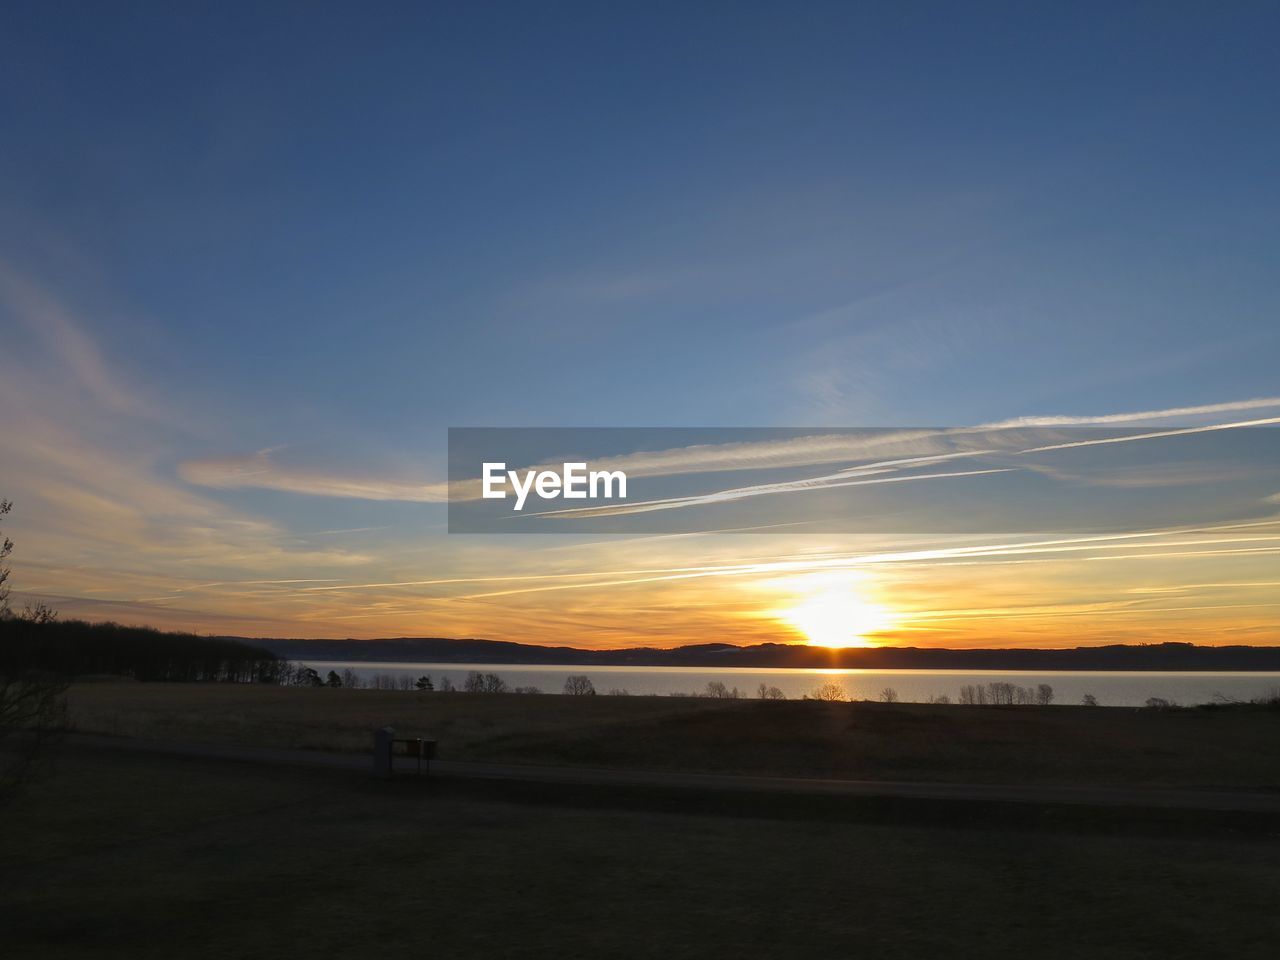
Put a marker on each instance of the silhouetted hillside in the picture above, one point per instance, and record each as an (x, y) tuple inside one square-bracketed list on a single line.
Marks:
[(1162, 656), (77, 648)]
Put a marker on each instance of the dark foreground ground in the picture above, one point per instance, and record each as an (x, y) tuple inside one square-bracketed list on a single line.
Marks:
[(1222, 748), (123, 855)]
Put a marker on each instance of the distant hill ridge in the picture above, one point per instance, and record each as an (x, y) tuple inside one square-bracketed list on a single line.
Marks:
[(1159, 656)]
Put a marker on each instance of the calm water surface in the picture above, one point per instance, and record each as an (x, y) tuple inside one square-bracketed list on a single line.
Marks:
[(1110, 688)]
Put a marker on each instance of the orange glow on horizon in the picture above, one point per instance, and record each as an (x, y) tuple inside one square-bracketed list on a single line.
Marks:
[(836, 613)]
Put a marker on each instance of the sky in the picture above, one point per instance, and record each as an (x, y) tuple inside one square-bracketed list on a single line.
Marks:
[(255, 263)]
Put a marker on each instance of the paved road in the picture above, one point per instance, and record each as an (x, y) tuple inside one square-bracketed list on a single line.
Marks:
[(1185, 799)]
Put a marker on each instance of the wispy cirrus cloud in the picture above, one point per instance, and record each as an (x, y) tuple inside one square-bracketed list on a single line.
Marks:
[(1156, 476), (894, 449), (1007, 443), (263, 471), (844, 479), (904, 443), (101, 523), (1142, 416), (1207, 539), (67, 346), (260, 470)]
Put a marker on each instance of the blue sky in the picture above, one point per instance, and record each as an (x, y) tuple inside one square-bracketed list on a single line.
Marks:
[(333, 233)]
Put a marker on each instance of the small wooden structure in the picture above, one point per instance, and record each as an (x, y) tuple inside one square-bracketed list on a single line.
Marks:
[(386, 746)]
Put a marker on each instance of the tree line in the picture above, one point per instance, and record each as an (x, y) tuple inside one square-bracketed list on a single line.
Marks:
[(475, 682), (76, 648), (999, 693)]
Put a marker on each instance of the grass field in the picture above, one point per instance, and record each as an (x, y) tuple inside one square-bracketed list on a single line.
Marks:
[(120, 855), (1224, 747)]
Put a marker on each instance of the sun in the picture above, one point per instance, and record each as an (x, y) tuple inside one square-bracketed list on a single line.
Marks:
[(838, 616)]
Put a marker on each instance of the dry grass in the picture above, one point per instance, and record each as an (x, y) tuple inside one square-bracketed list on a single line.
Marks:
[(1225, 748), (143, 857)]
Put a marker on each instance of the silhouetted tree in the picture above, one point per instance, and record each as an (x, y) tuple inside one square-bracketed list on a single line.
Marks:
[(829, 691), (351, 679), (1089, 700), (32, 700), (1044, 694), (766, 692), (719, 691), (579, 685), (1003, 694), (33, 713), (477, 682), (333, 680), (6, 548), (424, 683), (1000, 693), (889, 695)]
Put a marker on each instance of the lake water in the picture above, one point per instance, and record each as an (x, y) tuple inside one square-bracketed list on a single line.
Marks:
[(1112, 689)]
